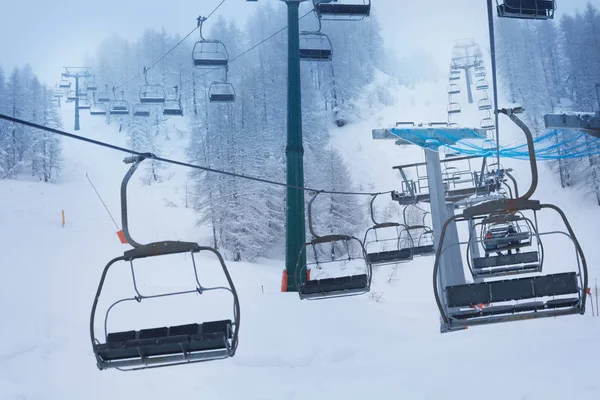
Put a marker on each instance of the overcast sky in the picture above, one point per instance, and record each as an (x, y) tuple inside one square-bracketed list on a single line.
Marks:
[(51, 33)]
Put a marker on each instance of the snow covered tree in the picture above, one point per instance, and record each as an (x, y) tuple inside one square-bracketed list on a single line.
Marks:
[(46, 155)]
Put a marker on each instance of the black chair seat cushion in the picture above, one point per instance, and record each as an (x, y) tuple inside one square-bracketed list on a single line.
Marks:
[(166, 341), (328, 285)]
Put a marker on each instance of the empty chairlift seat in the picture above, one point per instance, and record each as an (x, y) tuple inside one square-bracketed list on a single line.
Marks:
[(221, 92), (339, 266), (152, 94), (173, 108), (386, 242), (342, 9), (97, 109), (165, 345), (453, 89), (141, 110), (315, 46), (334, 286), (482, 84), (208, 54), (453, 108), (541, 288), (84, 104), (454, 75), (119, 107), (487, 124), (209, 340), (526, 9), (480, 72), (485, 104)]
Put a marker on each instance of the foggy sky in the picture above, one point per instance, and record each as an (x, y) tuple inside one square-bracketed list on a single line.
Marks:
[(50, 34)]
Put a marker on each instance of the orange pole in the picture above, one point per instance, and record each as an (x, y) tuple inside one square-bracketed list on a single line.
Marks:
[(63, 217), (284, 281)]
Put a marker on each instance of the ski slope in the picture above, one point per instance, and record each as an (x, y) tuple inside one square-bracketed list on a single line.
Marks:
[(382, 345)]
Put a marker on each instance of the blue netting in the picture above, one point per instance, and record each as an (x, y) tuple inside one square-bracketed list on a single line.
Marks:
[(552, 145)]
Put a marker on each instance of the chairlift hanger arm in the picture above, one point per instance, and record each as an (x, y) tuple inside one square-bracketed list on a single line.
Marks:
[(511, 113)]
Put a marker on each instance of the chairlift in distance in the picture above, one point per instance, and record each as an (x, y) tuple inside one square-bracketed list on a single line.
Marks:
[(331, 287), (84, 103), (221, 92), (209, 54), (453, 108), (480, 73), (104, 97), (484, 104), (514, 299), (97, 109), (342, 10), (173, 105), (482, 84), (151, 93), (526, 9), (487, 124), (381, 234), (454, 75), (118, 106), (163, 346), (315, 46), (91, 85), (420, 236), (141, 110), (453, 89), (71, 96), (64, 84)]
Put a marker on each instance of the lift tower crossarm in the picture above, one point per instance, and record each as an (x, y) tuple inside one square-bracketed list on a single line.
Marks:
[(582, 121)]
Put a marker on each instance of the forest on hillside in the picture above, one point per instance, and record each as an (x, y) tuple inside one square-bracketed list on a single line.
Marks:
[(22, 151), (554, 66)]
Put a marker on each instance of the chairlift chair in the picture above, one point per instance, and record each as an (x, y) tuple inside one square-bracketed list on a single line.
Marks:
[(480, 73), (453, 108), (118, 106), (315, 46), (487, 124), (71, 96), (64, 84), (163, 346), (151, 93), (221, 92), (84, 104), (482, 85), (523, 297), (419, 240), (349, 10), (141, 110), (104, 97), (526, 9), (352, 251), (419, 236), (172, 106), (454, 75), (484, 104), (97, 109), (453, 89), (382, 234), (91, 84)]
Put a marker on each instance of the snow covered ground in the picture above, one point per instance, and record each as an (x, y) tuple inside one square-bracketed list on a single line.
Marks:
[(382, 345)]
